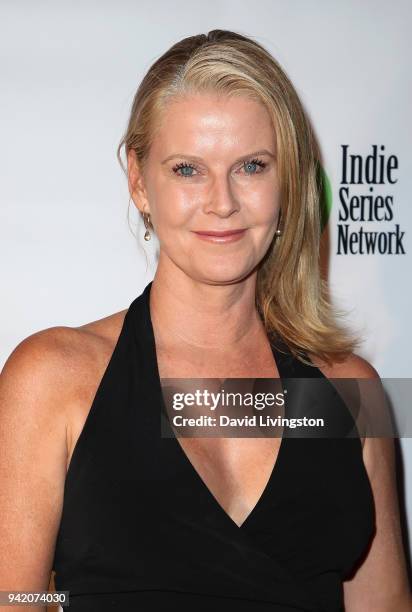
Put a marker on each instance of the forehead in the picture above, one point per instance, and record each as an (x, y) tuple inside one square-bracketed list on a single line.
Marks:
[(207, 123)]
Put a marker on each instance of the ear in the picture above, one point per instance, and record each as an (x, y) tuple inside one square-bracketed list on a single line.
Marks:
[(136, 182)]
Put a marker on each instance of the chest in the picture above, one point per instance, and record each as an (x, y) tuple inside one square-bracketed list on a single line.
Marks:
[(236, 471)]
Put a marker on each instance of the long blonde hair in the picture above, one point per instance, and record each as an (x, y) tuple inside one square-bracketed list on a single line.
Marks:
[(291, 296)]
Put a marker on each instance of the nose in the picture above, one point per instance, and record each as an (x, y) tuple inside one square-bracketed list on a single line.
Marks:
[(221, 200)]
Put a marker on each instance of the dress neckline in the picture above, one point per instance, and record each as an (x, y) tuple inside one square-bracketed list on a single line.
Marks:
[(283, 362)]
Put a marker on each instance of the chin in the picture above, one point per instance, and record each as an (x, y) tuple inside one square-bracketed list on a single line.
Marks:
[(222, 277)]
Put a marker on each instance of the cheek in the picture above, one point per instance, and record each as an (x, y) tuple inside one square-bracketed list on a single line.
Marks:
[(171, 205), (264, 206)]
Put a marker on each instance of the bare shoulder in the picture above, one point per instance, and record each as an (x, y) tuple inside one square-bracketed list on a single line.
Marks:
[(46, 380), (52, 359), (353, 366), (384, 564), (52, 373)]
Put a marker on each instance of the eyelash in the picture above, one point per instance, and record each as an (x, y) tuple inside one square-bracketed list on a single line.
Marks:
[(257, 162)]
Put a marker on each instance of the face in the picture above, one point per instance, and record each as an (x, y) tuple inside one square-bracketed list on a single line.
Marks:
[(211, 167)]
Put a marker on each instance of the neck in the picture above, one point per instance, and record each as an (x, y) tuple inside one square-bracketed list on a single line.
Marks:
[(204, 315)]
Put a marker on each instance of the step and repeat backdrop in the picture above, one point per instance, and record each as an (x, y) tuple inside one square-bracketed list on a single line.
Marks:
[(72, 249)]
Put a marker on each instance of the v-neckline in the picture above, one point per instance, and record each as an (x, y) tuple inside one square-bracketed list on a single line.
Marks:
[(198, 480)]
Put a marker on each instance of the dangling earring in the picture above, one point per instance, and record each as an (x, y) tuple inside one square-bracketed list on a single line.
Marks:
[(147, 223), (279, 231)]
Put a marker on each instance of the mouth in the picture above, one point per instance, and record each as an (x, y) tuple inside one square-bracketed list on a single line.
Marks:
[(221, 236)]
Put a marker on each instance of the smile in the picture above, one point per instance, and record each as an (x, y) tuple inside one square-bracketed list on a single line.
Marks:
[(222, 237)]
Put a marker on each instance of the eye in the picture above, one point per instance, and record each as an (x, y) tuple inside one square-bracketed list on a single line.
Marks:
[(185, 168), (251, 165)]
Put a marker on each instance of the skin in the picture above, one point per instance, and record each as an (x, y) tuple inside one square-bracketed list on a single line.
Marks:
[(203, 295)]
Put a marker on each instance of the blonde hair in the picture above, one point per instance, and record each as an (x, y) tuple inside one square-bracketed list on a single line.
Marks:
[(291, 296)]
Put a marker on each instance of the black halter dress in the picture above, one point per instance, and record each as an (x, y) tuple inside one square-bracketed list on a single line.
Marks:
[(140, 530)]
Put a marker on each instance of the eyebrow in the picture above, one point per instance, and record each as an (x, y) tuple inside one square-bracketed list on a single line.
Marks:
[(199, 159)]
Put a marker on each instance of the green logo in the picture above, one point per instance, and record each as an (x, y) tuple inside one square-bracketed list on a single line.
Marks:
[(325, 201)]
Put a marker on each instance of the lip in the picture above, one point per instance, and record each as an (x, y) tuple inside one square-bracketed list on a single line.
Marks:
[(222, 236)]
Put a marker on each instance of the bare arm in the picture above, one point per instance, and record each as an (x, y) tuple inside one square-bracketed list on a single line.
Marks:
[(381, 582), (33, 455)]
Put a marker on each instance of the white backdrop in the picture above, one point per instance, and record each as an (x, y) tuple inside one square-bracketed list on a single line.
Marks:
[(68, 74)]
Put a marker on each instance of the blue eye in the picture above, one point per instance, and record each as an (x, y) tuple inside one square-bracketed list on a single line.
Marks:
[(251, 165), (185, 168)]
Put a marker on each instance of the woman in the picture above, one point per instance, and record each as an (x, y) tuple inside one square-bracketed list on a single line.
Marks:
[(222, 165)]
